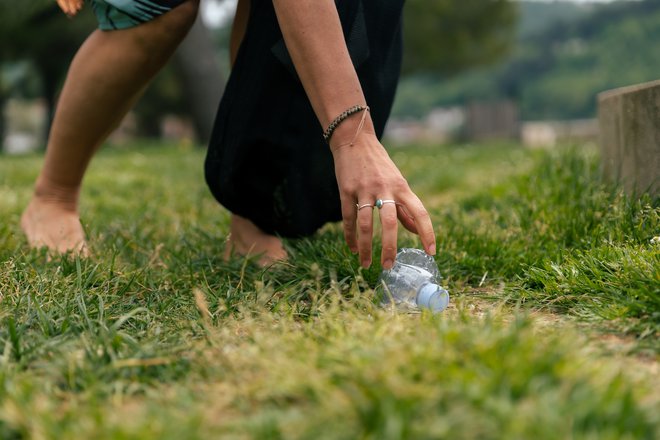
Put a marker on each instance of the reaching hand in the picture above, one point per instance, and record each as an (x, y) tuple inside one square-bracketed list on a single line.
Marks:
[(365, 175), (70, 7)]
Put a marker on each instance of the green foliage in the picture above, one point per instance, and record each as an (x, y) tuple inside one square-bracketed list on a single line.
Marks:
[(39, 32), (604, 52), (557, 72), (38, 37), (16, 14), (447, 36), (538, 16)]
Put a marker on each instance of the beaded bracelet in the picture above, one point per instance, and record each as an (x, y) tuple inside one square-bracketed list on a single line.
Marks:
[(327, 134)]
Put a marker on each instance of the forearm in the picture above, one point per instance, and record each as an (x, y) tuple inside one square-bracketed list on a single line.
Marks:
[(313, 35)]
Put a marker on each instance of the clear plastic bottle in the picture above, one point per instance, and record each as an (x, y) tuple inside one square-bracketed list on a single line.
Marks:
[(413, 282)]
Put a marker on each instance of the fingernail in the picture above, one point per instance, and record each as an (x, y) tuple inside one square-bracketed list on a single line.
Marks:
[(387, 264), (432, 249), (354, 251), (366, 264)]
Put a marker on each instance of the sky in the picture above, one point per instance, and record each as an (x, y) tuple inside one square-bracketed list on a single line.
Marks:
[(216, 13)]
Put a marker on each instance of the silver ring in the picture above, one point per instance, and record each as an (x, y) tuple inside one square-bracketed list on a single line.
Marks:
[(366, 205), (379, 203)]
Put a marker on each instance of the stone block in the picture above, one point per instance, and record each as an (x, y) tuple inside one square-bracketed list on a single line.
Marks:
[(629, 120)]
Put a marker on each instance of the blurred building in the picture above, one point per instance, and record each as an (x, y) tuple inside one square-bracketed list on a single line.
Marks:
[(497, 120), (487, 121), (25, 127), (538, 134)]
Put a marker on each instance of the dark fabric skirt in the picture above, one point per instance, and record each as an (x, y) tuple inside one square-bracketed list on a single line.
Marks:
[(267, 160)]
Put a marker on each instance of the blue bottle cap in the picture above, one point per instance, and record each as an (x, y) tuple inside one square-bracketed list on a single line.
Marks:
[(431, 296)]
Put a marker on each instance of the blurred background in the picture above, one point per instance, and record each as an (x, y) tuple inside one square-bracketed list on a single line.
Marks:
[(474, 70)]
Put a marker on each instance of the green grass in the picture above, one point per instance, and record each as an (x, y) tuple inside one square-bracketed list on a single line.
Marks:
[(552, 331)]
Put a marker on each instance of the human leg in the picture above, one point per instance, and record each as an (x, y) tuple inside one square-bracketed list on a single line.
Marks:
[(105, 79), (245, 238)]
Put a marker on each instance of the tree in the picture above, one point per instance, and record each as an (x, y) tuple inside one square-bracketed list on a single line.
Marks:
[(556, 72), (447, 36), (37, 31)]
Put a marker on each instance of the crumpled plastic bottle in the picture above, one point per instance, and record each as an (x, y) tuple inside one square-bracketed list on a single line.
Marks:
[(413, 282)]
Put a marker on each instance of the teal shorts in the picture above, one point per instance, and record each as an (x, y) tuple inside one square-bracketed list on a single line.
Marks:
[(123, 14)]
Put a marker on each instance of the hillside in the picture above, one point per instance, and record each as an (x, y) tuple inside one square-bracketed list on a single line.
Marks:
[(566, 55), (538, 16)]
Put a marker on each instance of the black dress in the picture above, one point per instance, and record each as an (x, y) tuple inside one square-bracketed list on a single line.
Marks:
[(267, 160)]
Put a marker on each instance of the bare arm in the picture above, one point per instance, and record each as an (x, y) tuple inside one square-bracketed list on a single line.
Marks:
[(313, 35)]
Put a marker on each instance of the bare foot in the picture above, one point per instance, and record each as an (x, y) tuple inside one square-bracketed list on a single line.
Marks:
[(48, 224), (247, 239)]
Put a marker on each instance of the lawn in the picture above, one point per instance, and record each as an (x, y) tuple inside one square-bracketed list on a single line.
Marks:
[(552, 330)]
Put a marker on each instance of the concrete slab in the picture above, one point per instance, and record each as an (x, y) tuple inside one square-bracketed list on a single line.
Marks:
[(629, 120)]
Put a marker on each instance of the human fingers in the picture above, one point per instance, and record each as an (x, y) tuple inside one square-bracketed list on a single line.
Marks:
[(405, 218), (422, 221), (389, 223), (70, 7), (349, 212), (365, 228), (65, 6)]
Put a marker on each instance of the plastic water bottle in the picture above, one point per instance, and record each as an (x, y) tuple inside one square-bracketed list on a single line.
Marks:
[(413, 282)]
